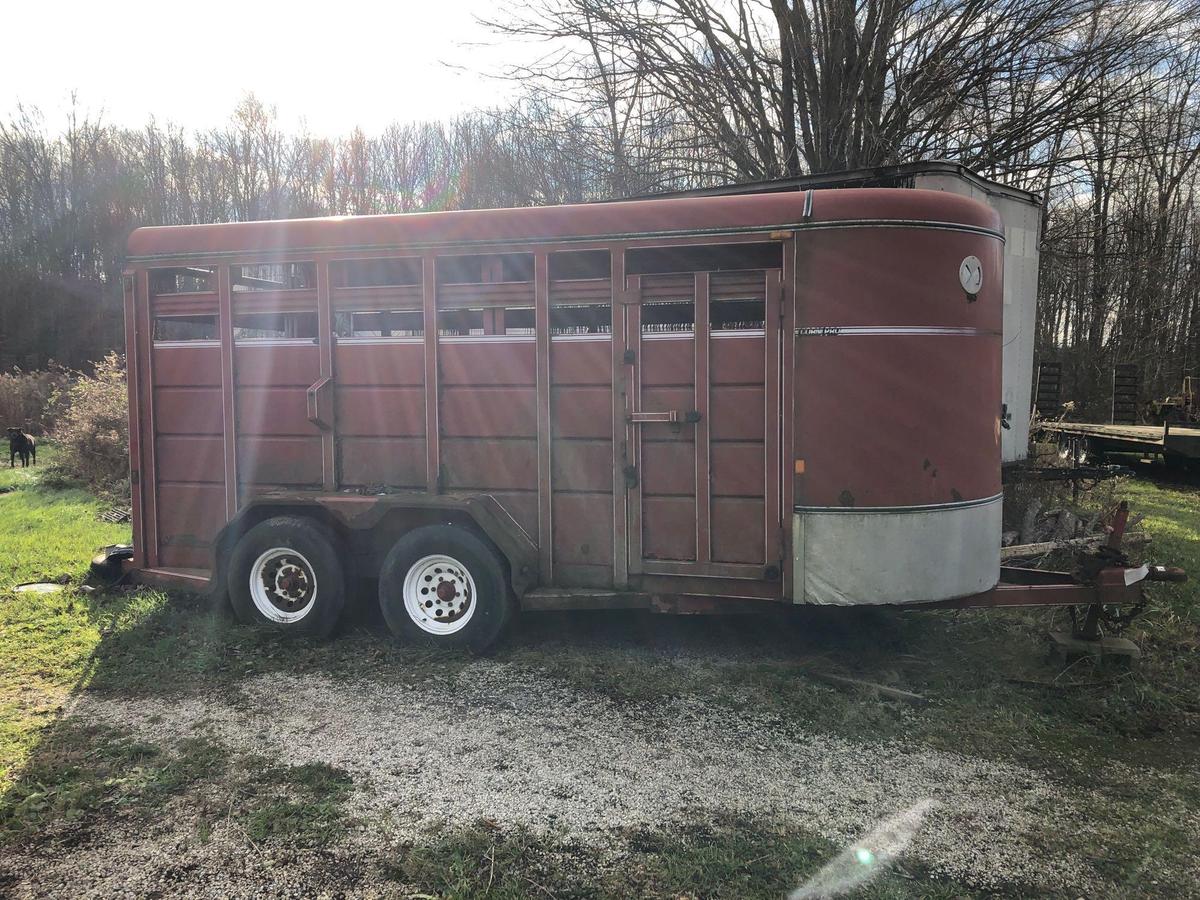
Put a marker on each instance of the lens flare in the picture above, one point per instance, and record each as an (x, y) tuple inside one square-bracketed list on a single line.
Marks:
[(865, 859)]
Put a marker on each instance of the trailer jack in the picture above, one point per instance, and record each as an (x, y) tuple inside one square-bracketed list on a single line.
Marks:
[(1097, 632), (1104, 584)]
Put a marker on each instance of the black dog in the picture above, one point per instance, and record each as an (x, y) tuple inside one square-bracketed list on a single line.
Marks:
[(23, 445)]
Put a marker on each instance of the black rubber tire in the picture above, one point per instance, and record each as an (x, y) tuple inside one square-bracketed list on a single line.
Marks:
[(494, 601), (322, 553), (106, 565)]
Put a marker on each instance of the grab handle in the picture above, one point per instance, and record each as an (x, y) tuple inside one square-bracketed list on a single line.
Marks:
[(320, 405)]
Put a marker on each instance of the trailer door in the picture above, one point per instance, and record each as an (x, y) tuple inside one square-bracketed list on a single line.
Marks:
[(703, 468)]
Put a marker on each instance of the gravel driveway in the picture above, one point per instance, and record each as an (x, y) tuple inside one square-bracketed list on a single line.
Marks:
[(499, 743)]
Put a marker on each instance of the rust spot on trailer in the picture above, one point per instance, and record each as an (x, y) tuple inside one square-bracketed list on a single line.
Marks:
[(184, 540), (955, 494), (846, 498)]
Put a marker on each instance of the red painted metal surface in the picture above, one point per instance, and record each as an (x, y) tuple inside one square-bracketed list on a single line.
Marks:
[(898, 420), (137, 492), (545, 455), (318, 401), (581, 456), (488, 394), (895, 277), (558, 223), (188, 452), (897, 396), (433, 476)]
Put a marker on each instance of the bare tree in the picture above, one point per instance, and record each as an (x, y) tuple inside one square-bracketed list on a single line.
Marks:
[(779, 86), (1092, 106)]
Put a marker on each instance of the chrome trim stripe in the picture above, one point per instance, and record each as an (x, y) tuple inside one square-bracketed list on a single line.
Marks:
[(274, 342), (894, 223), (932, 507), (688, 335), (854, 330), (580, 239), (737, 333), (604, 336), (347, 341), (486, 338), (170, 345), (713, 335)]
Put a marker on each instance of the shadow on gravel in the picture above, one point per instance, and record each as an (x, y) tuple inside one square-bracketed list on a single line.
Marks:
[(82, 785), (158, 643)]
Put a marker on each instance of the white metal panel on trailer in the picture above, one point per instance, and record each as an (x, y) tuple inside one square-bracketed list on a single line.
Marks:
[(828, 547), (1022, 218)]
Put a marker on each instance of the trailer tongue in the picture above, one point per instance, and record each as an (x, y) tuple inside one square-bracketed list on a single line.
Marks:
[(1104, 583)]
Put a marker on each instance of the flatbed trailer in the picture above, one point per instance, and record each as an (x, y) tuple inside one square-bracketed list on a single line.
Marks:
[(1178, 445)]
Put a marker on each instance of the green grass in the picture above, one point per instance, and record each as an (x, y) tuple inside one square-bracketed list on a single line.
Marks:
[(48, 533), (299, 806), (81, 772), (729, 858), (82, 775), (46, 641), (993, 693), (1142, 841), (1172, 517)]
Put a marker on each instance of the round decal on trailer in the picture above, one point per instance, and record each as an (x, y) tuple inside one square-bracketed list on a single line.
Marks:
[(970, 275)]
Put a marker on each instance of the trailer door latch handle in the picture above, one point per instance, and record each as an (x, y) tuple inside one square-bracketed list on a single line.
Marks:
[(670, 416), (631, 477)]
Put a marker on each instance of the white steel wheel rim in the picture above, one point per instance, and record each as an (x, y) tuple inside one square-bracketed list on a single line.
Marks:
[(283, 585), (439, 594)]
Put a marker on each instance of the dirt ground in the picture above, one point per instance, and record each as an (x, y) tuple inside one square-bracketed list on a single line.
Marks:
[(500, 743)]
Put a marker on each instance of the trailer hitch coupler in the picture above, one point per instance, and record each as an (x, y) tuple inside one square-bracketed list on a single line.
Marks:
[(1172, 574)]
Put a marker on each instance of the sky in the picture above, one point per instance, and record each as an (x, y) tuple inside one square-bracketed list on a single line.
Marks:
[(333, 64)]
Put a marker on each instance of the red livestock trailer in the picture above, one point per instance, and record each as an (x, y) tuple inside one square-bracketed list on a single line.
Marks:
[(690, 405)]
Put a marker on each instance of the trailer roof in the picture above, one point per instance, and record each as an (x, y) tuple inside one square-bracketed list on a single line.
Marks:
[(583, 222), (896, 176)]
